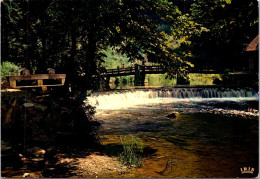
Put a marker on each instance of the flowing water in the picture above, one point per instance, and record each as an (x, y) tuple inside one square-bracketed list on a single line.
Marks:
[(214, 133)]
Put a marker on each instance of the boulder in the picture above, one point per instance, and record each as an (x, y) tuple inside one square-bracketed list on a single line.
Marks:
[(172, 115)]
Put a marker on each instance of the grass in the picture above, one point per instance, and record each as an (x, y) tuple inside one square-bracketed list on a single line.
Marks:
[(195, 79), (132, 151)]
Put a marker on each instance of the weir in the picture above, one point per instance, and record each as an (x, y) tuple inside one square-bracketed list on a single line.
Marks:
[(134, 97)]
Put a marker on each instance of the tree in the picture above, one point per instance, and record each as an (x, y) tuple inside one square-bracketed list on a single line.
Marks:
[(72, 35), (230, 26)]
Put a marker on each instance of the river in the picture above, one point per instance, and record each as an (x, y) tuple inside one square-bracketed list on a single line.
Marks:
[(214, 133)]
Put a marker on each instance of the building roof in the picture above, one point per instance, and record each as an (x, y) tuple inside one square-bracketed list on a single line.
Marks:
[(253, 46)]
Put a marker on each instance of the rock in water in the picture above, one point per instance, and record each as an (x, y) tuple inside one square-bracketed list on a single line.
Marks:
[(25, 175), (172, 115), (36, 151)]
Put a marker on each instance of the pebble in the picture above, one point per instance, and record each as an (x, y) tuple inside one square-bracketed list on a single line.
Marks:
[(27, 105)]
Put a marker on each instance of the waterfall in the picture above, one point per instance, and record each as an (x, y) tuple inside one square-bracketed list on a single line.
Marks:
[(112, 100)]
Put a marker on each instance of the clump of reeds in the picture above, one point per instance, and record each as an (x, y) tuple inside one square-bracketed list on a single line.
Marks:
[(132, 151)]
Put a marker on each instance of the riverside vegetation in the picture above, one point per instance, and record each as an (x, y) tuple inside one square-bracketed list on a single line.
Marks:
[(132, 151)]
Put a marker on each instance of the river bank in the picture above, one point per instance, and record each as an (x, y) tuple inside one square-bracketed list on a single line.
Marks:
[(46, 134)]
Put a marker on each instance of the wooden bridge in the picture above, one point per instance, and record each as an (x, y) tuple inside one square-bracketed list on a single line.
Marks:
[(133, 70), (148, 70), (141, 70)]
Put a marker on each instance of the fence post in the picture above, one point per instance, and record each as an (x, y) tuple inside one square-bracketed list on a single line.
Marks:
[(63, 81), (13, 83), (40, 82), (139, 75)]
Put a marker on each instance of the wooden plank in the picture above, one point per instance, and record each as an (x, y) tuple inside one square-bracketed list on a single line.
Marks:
[(37, 76), (37, 86), (63, 81)]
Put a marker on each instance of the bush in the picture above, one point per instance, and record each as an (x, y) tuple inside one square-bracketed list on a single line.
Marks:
[(8, 69), (132, 151), (124, 80), (117, 81), (131, 79)]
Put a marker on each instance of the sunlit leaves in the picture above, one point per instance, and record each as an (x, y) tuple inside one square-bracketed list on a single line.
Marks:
[(226, 1)]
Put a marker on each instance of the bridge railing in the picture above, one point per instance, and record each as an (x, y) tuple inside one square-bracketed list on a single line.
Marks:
[(153, 68), (120, 70), (150, 69), (132, 70)]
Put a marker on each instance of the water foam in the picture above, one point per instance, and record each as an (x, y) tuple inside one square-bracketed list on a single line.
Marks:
[(117, 100)]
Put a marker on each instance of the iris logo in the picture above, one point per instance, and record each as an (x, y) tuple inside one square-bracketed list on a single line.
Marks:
[(247, 170)]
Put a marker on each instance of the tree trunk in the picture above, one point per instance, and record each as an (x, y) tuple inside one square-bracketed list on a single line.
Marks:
[(70, 65), (5, 43), (42, 65), (90, 64), (92, 76)]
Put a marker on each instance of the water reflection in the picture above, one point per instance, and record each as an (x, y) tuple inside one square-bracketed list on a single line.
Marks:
[(159, 80)]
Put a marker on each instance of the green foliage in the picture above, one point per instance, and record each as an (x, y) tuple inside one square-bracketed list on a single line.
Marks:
[(82, 38), (203, 79), (160, 80), (73, 36), (124, 80), (9, 69), (114, 59), (239, 80), (117, 80), (231, 25), (132, 150)]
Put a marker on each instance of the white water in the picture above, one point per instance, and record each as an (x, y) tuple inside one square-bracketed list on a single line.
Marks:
[(118, 100)]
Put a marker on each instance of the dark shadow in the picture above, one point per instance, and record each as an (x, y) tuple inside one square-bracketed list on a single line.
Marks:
[(177, 141), (52, 81), (116, 149), (148, 151), (112, 149), (55, 124), (26, 83)]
